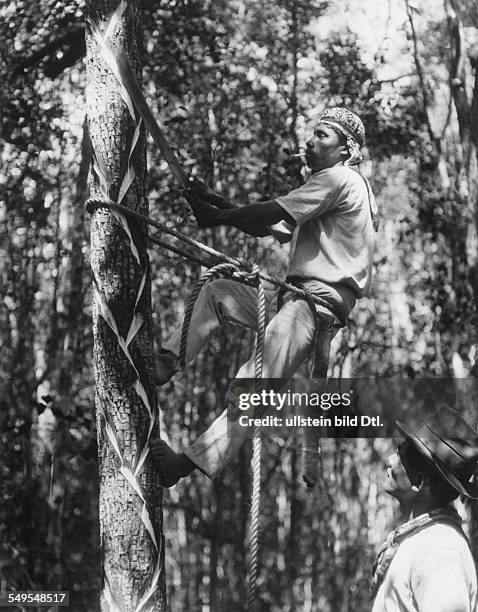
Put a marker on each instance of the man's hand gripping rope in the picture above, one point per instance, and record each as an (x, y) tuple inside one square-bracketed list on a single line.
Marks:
[(206, 203)]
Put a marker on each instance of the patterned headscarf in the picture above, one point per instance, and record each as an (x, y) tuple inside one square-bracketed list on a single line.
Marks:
[(350, 126)]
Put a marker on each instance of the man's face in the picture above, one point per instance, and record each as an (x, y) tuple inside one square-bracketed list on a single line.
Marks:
[(397, 481), (324, 149)]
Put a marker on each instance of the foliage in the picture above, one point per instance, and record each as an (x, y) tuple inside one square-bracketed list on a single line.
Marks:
[(235, 85)]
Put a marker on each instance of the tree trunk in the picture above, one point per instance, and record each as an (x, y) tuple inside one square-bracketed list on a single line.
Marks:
[(130, 495)]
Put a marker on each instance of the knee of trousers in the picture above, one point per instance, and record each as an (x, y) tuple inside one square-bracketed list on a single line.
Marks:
[(219, 286)]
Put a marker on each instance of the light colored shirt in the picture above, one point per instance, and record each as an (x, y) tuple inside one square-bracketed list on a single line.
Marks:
[(432, 571), (333, 238)]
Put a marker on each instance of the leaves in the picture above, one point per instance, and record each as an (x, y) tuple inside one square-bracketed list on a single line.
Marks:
[(234, 84)]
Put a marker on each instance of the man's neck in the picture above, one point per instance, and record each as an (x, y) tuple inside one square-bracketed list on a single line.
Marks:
[(418, 507), (316, 170)]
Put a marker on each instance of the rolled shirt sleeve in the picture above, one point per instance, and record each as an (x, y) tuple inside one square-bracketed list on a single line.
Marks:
[(317, 196)]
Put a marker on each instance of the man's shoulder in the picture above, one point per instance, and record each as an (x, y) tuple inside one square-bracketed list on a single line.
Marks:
[(434, 549), (436, 537), (435, 528)]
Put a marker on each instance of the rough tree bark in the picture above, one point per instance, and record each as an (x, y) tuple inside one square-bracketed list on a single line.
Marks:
[(133, 568)]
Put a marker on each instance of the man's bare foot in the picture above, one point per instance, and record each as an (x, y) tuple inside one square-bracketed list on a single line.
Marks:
[(171, 465), (167, 365)]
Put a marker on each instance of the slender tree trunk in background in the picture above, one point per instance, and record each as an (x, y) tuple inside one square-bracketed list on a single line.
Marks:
[(75, 297), (62, 363), (296, 510), (130, 495), (17, 385), (435, 138), (214, 539), (473, 239)]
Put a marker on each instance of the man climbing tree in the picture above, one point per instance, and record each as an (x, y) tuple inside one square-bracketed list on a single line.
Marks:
[(333, 215), (130, 500)]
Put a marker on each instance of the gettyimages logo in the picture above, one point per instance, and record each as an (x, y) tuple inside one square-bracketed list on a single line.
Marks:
[(276, 400)]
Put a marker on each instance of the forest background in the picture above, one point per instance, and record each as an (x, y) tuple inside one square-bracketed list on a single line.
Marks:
[(233, 83)]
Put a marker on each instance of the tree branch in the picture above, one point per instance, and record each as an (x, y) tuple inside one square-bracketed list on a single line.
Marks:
[(436, 140), (397, 78), (457, 72), (71, 43), (474, 101), (72, 46)]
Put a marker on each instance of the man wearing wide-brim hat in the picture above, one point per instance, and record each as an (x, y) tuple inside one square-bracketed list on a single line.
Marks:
[(426, 564)]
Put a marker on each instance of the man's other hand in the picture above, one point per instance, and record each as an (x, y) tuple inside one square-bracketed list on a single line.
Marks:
[(201, 191), (206, 215)]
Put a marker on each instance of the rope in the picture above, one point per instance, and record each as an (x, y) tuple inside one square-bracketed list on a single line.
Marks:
[(225, 269), (256, 456), (94, 203)]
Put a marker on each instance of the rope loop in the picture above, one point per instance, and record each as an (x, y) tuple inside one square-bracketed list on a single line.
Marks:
[(222, 268)]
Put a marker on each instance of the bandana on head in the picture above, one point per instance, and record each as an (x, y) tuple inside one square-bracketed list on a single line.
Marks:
[(350, 126)]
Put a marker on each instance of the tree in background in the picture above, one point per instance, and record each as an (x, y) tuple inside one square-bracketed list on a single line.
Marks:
[(48, 458)]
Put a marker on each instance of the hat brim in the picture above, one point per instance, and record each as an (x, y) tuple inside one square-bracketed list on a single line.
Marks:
[(469, 489)]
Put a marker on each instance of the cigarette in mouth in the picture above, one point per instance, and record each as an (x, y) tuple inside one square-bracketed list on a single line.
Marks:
[(301, 154)]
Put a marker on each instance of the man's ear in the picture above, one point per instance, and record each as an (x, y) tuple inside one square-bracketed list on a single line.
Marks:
[(344, 152), (419, 482)]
